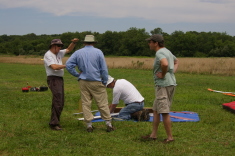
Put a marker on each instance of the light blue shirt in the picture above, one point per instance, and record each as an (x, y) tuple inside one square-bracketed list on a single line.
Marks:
[(169, 79), (91, 64)]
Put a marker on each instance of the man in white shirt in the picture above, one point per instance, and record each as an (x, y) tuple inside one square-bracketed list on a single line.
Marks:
[(134, 101), (55, 72)]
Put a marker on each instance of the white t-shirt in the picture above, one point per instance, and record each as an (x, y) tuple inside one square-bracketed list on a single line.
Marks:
[(50, 58), (124, 90)]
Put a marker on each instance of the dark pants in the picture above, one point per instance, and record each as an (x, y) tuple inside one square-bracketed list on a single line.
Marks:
[(56, 85)]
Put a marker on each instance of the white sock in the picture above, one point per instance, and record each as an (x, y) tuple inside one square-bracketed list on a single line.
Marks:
[(108, 123), (89, 124)]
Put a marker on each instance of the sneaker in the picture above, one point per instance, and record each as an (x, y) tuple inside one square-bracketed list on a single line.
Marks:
[(110, 128), (90, 129), (57, 128)]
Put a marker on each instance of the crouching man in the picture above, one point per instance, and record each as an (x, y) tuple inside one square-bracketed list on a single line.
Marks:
[(134, 101)]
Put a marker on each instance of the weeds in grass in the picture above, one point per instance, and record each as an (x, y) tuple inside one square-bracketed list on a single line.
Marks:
[(137, 65)]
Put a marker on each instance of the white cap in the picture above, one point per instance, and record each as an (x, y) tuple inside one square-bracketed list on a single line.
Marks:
[(110, 80)]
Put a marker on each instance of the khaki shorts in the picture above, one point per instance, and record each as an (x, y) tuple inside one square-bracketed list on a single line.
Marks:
[(163, 100)]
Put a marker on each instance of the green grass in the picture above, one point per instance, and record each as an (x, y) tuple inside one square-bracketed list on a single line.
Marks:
[(24, 117)]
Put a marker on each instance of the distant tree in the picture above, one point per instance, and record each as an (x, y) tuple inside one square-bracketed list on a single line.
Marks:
[(133, 43), (175, 43), (127, 43)]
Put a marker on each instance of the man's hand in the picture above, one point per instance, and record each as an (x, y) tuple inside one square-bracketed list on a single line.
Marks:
[(75, 40), (159, 75)]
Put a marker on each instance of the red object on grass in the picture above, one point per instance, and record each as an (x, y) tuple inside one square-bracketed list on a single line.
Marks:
[(25, 89), (229, 106)]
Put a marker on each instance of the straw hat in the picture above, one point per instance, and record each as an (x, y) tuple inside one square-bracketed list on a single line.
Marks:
[(90, 39)]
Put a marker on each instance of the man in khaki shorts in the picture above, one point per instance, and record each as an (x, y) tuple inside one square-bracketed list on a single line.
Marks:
[(165, 65)]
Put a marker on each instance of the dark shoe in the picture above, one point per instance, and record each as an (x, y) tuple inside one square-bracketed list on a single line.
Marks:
[(142, 115), (57, 128), (166, 141), (136, 115), (148, 138), (90, 129), (109, 129)]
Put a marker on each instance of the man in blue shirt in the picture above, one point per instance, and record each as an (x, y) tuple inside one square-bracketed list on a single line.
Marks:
[(92, 77)]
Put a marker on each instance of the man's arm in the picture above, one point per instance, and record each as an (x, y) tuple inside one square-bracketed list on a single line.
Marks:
[(57, 66), (72, 45), (112, 107), (164, 67), (104, 69), (176, 64), (71, 64)]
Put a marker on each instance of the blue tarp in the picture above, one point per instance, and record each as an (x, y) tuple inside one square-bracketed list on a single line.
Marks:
[(184, 116)]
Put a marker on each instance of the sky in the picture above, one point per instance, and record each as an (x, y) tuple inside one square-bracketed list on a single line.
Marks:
[(21, 17)]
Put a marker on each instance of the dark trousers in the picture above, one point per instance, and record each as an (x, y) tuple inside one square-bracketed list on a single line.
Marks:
[(56, 85)]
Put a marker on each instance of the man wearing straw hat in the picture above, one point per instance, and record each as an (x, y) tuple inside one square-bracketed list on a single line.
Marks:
[(92, 78)]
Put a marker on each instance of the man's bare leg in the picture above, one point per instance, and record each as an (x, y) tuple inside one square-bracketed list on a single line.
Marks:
[(167, 125), (156, 121)]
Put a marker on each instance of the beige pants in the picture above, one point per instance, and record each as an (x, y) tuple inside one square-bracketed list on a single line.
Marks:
[(163, 100), (96, 90)]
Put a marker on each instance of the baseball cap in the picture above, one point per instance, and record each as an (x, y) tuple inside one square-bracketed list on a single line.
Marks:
[(156, 38), (110, 80)]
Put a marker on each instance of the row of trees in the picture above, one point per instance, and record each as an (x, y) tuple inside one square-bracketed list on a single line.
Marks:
[(129, 43)]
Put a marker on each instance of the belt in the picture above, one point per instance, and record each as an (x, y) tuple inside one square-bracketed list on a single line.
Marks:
[(135, 102)]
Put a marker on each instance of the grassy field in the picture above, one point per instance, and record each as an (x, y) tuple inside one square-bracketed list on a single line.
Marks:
[(24, 117)]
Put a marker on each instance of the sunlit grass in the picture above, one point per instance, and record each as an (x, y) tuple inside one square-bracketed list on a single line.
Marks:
[(24, 117)]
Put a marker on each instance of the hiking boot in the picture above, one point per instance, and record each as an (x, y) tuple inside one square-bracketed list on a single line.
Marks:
[(142, 115), (109, 128), (136, 115), (90, 129)]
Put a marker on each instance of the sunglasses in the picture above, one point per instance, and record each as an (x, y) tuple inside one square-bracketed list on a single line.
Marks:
[(59, 45)]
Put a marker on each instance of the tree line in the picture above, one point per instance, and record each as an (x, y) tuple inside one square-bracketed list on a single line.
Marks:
[(127, 43)]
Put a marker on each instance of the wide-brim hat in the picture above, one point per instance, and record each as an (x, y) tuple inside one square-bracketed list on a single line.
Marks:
[(56, 42), (110, 80), (90, 39)]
